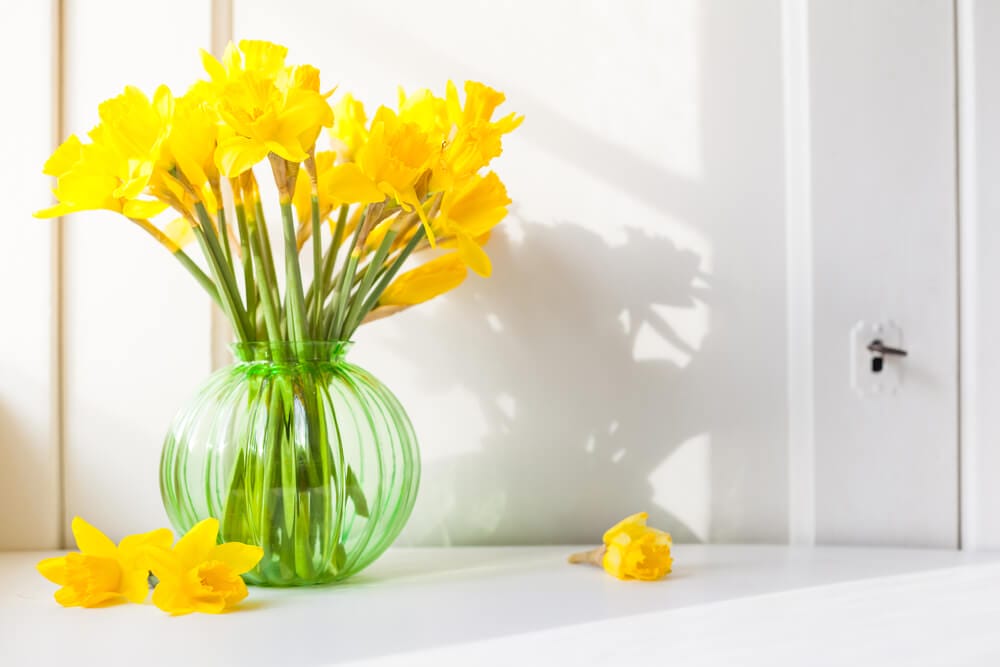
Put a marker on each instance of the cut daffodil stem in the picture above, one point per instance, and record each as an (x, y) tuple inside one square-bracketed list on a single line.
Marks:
[(592, 557)]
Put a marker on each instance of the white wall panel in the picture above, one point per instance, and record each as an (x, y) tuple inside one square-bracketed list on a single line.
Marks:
[(136, 326), (29, 438), (632, 349), (979, 104), (628, 352), (884, 234)]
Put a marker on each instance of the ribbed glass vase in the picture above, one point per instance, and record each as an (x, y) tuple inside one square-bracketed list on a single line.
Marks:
[(297, 451)]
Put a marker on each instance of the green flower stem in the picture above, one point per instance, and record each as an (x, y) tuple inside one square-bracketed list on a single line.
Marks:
[(229, 303), (338, 238), (343, 291), (267, 253), (354, 315), (223, 233), (386, 278), (329, 263), (317, 234), (224, 276), (199, 275), (267, 302), (270, 490), (295, 298), (345, 280), (249, 286)]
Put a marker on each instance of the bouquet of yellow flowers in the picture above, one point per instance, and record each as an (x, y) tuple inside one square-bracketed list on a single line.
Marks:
[(409, 180), (293, 449)]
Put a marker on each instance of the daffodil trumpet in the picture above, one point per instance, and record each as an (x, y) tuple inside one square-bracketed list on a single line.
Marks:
[(378, 213)]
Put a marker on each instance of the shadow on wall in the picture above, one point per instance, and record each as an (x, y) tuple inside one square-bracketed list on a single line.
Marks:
[(552, 399)]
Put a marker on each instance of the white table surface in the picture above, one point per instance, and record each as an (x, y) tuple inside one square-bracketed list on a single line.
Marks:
[(723, 605)]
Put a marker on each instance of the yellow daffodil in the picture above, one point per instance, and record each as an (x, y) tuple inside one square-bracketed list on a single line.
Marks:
[(632, 550), (468, 213), (114, 169), (425, 282), (102, 573), (267, 107), (265, 58), (389, 164), (200, 575), (475, 138), (190, 146), (429, 112), (349, 131)]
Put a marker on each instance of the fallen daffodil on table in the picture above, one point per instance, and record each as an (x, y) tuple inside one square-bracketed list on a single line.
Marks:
[(196, 574), (200, 575), (632, 550), (101, 573)]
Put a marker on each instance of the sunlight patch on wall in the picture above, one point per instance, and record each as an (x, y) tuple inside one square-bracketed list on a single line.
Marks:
[(682, 485), (676, 337), (439, 428)]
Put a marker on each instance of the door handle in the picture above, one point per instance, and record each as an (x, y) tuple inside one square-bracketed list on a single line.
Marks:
[(879, 351), (878, 347)]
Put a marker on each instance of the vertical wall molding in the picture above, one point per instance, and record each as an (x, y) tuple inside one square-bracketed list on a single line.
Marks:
[(977, 32), (799, 274), (29, 370), (221, 333), (58, 388)]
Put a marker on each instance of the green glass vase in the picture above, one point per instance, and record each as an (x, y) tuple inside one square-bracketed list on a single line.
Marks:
[(297, 451)]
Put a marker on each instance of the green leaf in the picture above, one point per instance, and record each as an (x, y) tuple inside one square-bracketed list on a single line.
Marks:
[(356, 494)]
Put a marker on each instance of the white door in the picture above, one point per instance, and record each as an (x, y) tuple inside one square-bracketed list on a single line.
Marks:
[(882, 155)]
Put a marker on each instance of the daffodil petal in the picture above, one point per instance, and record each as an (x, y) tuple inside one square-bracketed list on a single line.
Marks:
[(473, 255), (238, 556), (198, 543), (135, 546), (56, 211), (164, 563), (348, 184), (425, 282), (53, 569), (631, 525), (235, 155), (92, 541), (135, 586), (143, 209), (167, 597), (68, 597), (180, 232)]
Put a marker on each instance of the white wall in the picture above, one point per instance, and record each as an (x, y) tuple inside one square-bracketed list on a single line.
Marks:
[(136, 327), (29, 440), (672, 290)]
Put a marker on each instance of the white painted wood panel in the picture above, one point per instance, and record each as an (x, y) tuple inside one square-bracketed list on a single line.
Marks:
[(136, 326), (632, 349), (979, 105), (628, 352), (884, 233), (29, 436)]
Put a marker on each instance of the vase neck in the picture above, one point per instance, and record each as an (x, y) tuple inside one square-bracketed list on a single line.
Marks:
[(297, 352)]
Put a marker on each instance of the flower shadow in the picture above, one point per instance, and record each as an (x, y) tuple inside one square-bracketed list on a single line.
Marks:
[(558, 386)]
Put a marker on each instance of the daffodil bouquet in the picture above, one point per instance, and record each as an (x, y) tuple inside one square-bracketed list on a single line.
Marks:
[(295, 449), (351, 216)]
